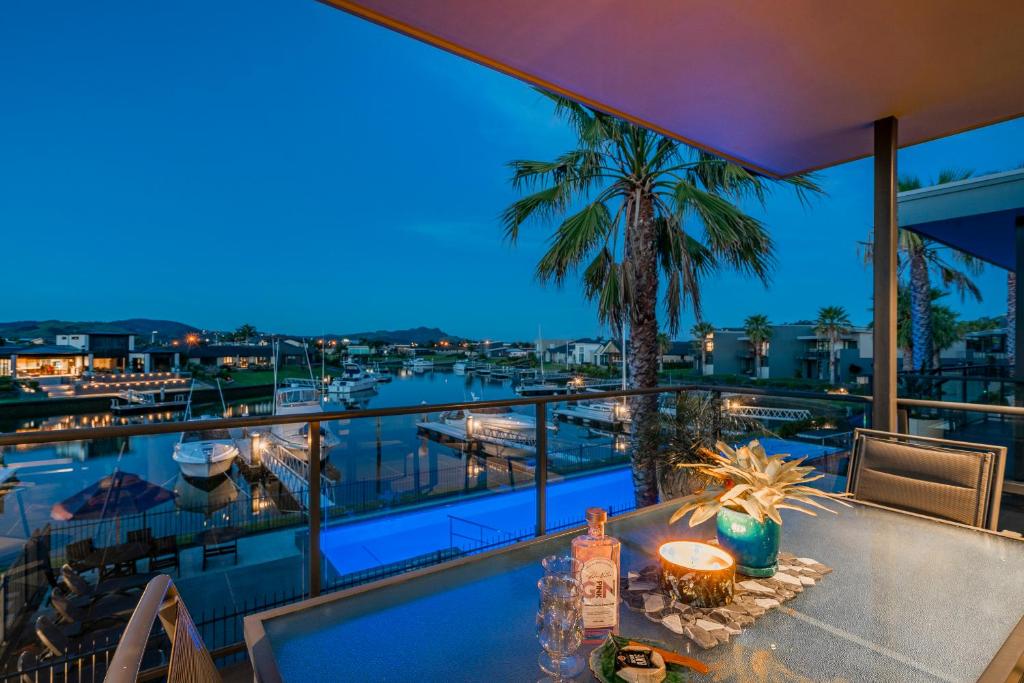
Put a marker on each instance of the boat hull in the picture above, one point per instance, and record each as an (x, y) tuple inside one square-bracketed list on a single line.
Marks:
[(202, 460)]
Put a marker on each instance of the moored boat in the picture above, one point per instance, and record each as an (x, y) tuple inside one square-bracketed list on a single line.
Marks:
[(205, 453)]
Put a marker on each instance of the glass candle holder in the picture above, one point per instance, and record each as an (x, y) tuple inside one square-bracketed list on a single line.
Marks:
[(697, 574)]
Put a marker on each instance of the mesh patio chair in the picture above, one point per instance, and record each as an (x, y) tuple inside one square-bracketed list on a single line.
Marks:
[(58, 643), (112, 609), (164, 553), (78, 586), (952, 480), (189, 660), (82, 555)]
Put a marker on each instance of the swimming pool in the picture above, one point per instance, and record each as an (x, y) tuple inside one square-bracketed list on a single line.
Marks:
[(469, 523)]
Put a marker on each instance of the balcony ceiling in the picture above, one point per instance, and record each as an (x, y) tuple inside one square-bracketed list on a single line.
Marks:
[(781, 87), (976, 216)]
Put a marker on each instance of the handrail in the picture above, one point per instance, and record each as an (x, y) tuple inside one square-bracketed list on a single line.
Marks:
[(116, 431), (124, 667)]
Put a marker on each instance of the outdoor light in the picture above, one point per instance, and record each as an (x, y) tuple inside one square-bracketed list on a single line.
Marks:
[(697, 574)]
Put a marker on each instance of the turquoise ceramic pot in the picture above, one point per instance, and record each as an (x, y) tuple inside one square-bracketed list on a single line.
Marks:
[(755, 545)]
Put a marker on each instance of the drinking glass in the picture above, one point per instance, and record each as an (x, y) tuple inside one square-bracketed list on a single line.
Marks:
[(559, 565), (560, 627)]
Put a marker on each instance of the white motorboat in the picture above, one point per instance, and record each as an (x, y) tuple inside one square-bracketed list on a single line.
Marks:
[(299, 400), (498, 426), (380, 373), (204, 454), (614, 413), (459, 367), (353, 379), (419, 364)]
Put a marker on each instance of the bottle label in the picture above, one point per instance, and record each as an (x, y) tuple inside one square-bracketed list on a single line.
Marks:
[(600, 582)]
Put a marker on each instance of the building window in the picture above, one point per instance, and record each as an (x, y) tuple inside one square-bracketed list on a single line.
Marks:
[(5, 367)]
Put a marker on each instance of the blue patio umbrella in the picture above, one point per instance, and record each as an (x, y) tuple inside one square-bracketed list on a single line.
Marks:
[(119, 494)]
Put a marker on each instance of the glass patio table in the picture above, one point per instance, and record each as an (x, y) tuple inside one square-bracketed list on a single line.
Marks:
[(909, 599)]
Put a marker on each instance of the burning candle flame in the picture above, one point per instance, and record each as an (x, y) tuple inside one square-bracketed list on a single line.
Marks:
[(692, 555)]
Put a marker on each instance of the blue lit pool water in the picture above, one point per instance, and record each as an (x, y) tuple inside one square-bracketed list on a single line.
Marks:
[(485, 519), (469, 523)]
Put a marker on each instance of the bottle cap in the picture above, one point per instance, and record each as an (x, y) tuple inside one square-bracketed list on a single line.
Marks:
[(596, 516)]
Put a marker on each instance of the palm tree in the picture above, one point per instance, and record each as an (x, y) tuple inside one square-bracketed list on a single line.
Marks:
[(664, 346), (943, 322), (832, 323), (631, 207), (701, 332), (926, 257), (758, 331)]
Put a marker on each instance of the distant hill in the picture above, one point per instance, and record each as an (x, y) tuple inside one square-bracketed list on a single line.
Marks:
[(170, 329), (48, 329), (418, 335)]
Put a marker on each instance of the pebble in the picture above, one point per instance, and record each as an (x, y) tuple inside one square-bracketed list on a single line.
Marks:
[(673, 623), (767, 603), (807, 581)]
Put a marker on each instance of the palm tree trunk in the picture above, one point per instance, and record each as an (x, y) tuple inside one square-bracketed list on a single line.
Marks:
[(920, 312), (641, 259), (831, 362), (703, 358), (1011, 319), (757, 364)]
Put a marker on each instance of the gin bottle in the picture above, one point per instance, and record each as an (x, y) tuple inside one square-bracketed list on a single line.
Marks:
[(597, 568)]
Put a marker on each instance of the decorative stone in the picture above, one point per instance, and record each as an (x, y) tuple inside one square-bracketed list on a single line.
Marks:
[(713, 625), (755, 587), (673, 623), (701, 637), (782, 577), (641, 585), (709, 625), (654, 602)]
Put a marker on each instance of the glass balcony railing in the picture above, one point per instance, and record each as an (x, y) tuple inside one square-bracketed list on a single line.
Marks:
[(253, 512)]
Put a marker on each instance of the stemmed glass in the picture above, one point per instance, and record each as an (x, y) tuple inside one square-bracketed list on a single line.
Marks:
[(560, 626)]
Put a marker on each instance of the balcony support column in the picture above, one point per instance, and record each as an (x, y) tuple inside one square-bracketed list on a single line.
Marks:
[(884, 266), (314, 509), (1017, 474), (541, 470)]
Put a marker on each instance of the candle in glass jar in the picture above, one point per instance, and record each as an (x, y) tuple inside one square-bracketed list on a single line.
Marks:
[(697, 574)]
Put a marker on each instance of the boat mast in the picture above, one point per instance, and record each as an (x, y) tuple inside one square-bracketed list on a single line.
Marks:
[(540, 352), (273, 398), (188, 407)]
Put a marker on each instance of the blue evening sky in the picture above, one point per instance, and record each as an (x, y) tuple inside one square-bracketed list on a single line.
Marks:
[(287, 165)]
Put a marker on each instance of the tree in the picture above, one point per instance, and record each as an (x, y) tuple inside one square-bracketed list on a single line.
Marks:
[(925, 257), (946, 330), (758, 331), (701, 332), (832, 323), (664, 346), (1011, 319), (244, 333), (633, 207)]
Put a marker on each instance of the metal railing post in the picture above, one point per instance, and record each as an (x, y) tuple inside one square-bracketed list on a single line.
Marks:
[(541, 471), (314, 509)]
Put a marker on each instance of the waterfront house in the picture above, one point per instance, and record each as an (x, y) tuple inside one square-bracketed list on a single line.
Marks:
[(232, 355), (42, 360), (794, 351), (104, 351)]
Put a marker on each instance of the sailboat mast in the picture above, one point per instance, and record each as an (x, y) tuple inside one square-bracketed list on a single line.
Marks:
[(540, 351)]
